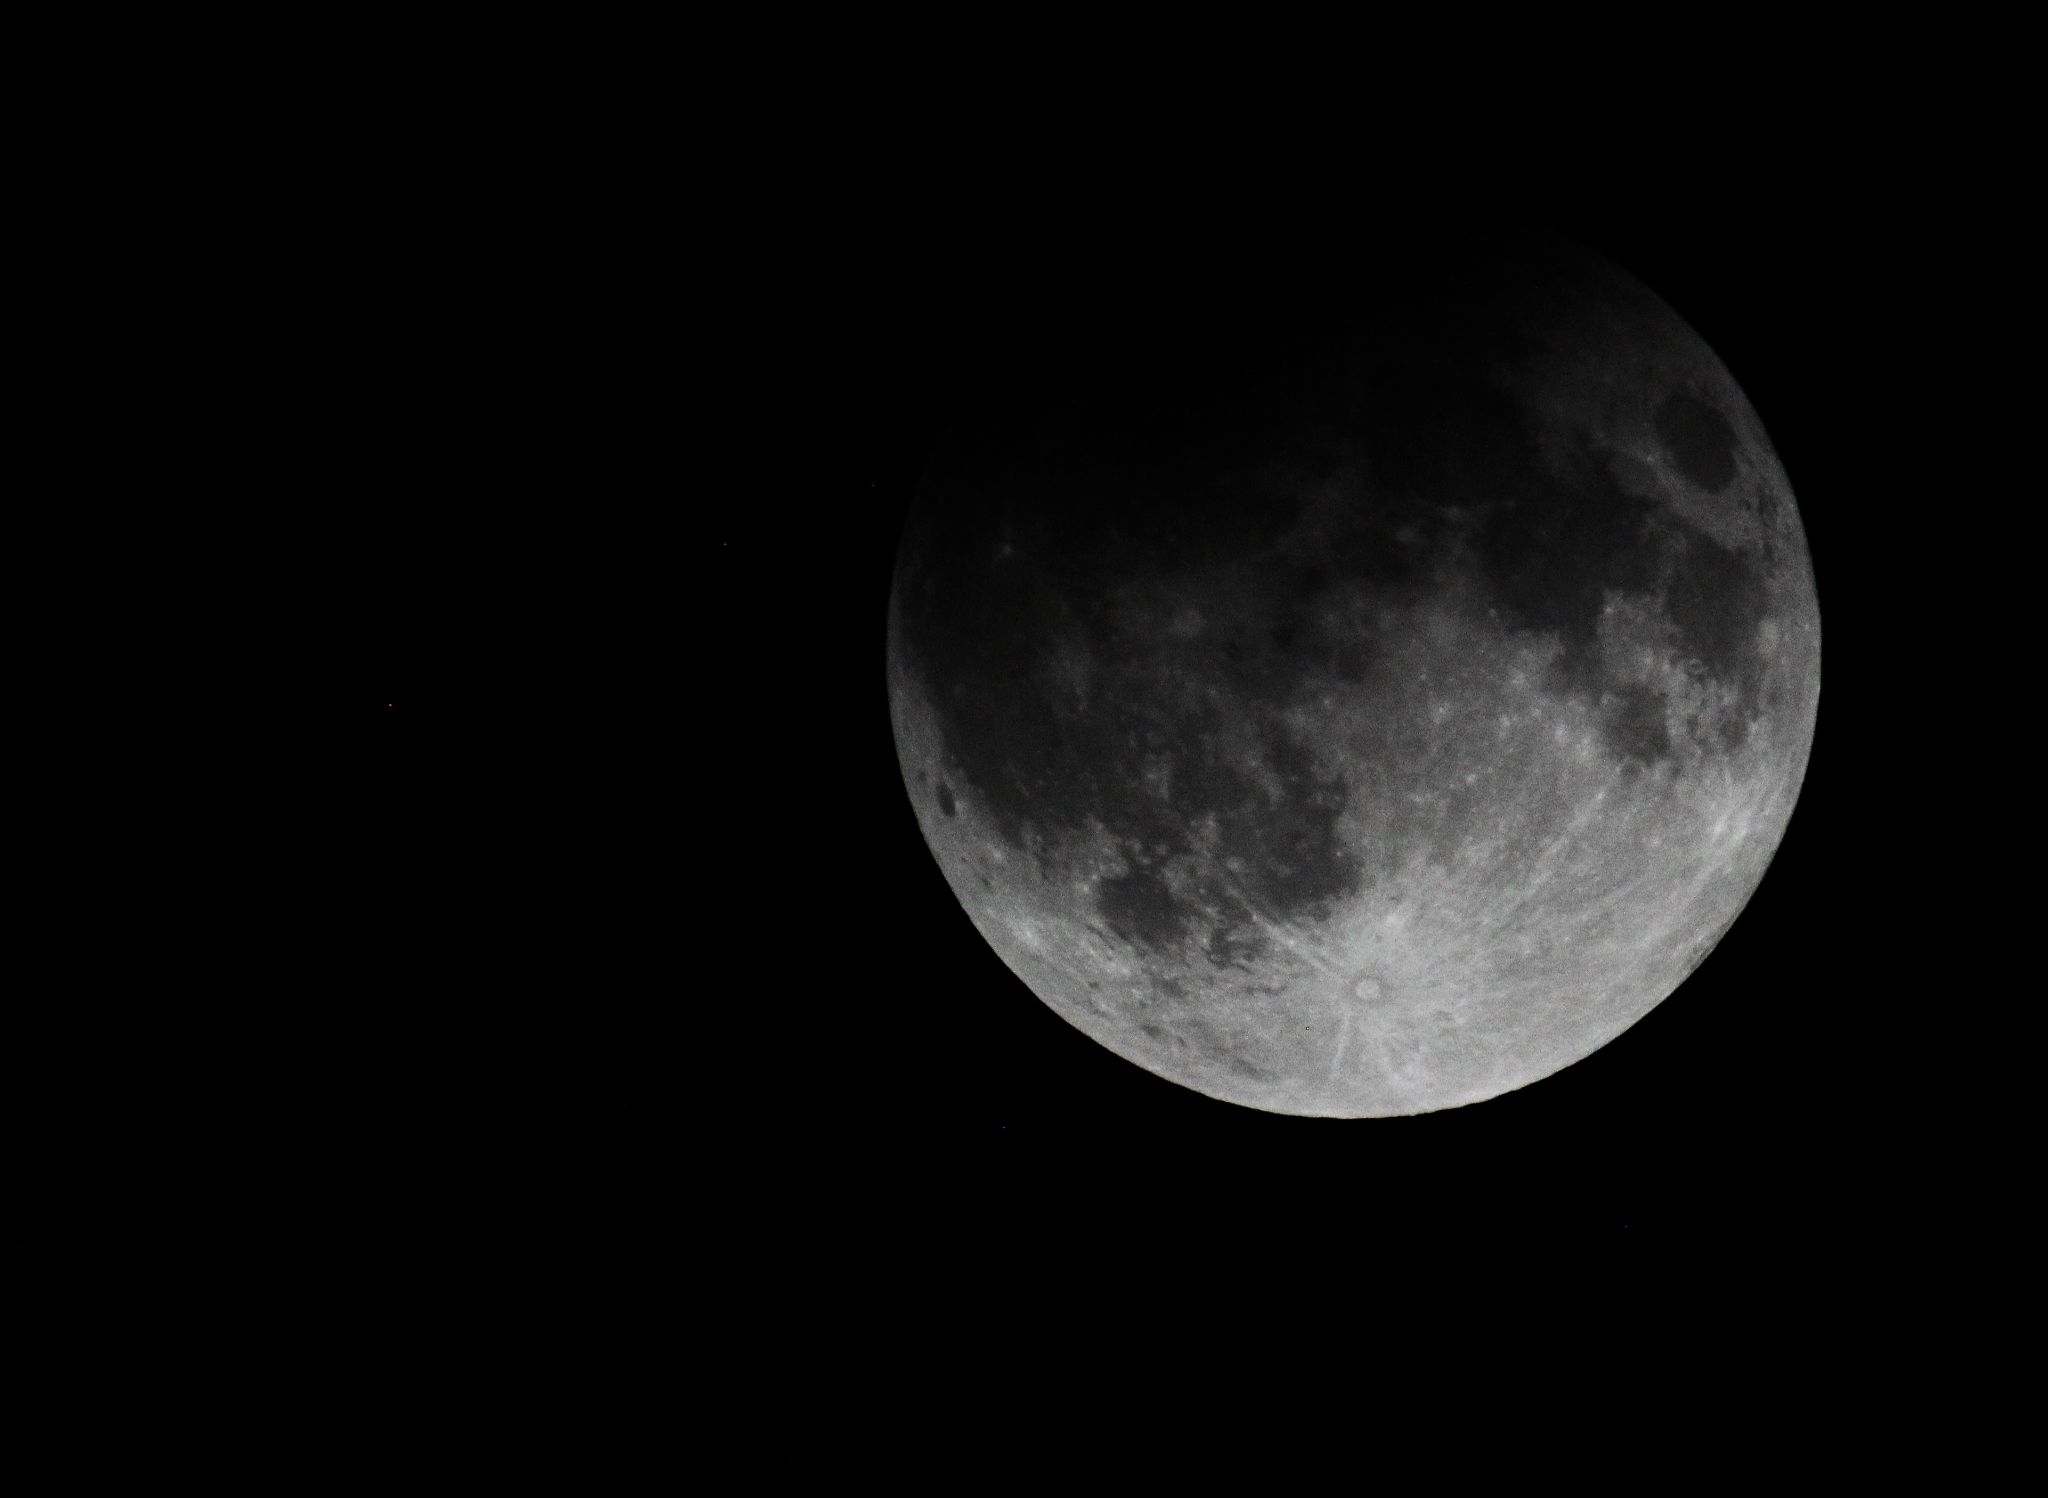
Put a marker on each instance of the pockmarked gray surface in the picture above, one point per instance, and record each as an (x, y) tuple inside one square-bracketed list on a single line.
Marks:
[(1363, 703)]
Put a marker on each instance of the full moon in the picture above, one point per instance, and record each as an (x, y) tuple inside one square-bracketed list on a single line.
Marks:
[(1363, 693)]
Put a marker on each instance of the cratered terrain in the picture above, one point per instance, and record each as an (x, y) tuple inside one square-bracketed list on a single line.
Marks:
[(1365, 695)]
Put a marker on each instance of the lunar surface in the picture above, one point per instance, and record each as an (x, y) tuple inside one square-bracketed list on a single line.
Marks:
[(1365, 698)]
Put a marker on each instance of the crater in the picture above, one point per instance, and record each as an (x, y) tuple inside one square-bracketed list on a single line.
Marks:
[(946, 803)]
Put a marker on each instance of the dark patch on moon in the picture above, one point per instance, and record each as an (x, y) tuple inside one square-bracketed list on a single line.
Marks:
[(1141, 908), (1700, 440), (1554, 544), (1141, 757), (946, 803), (1350, 661), (1293, 856), (1235, 945), (1284, 845), (1716, 596), (1635, 727)]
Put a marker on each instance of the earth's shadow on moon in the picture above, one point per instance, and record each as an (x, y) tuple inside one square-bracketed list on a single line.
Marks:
[(1364, 700)]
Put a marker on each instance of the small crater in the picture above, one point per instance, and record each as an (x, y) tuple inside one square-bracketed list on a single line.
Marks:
[(1152, 1031), (946, 802)]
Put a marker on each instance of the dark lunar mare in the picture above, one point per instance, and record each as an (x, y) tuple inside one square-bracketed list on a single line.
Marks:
[(1173, 448), (1699, 439)]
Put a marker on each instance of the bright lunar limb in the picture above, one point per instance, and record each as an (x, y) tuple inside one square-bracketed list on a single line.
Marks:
[(1362, 703)]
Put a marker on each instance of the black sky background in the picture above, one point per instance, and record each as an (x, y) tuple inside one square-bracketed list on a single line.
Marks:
[(638, 913)]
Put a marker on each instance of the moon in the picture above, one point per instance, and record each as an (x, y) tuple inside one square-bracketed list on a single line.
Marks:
[(1362, 694)]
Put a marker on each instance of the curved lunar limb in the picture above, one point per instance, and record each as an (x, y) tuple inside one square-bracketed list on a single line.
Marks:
[(1375, 706)]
